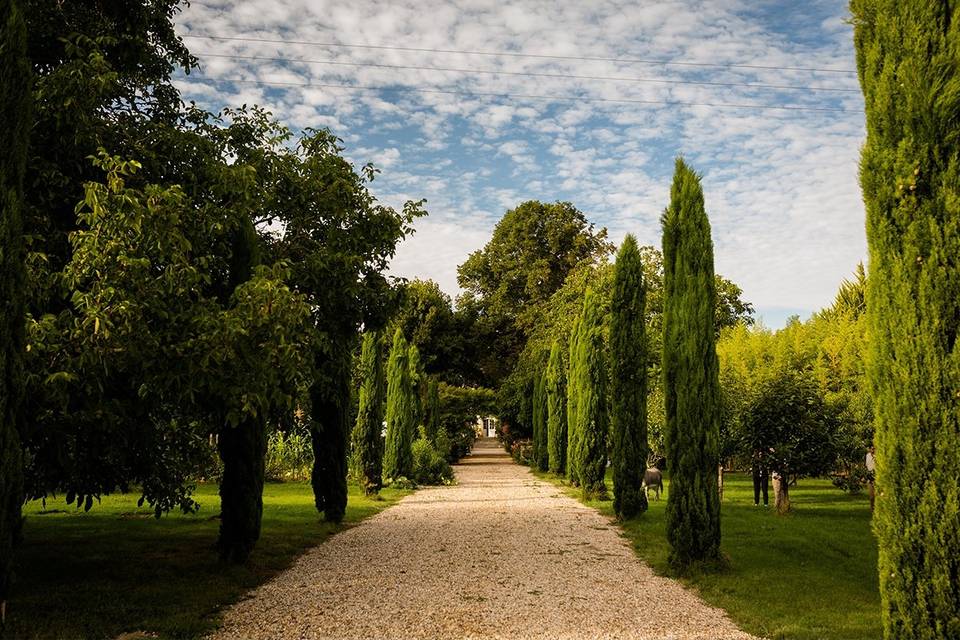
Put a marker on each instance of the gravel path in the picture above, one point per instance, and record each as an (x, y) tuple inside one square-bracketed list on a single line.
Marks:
[(499, 555)]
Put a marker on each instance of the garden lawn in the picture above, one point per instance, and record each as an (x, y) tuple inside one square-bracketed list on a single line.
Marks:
[(809, 575), (118, 569)]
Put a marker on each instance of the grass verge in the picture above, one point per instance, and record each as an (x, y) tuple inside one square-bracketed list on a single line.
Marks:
[(117, 569), (810, 575)]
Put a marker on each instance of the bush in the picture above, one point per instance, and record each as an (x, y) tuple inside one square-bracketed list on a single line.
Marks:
[(429, 465), (522, 451), (289, 456), (854, 480)]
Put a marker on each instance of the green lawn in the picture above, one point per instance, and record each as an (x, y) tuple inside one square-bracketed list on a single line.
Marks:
[(118, 569), (808, 575)]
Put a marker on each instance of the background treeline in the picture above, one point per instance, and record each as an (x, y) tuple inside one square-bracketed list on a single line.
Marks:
[(799, 390)]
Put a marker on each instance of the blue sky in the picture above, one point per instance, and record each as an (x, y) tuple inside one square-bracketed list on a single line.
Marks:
[(780, 184)]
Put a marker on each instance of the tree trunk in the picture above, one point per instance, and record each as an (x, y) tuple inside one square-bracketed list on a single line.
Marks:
[(781, 491), (720, 480), (329, 400), (243, 450)]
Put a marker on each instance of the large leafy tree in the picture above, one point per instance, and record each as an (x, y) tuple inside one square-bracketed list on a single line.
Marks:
[(442, 335), (907, 58), (533, 249), (786, 421), (690, 375), (367, 438), (15, 122), (103, 74), (628, 376), (200, 362), (338, 240)]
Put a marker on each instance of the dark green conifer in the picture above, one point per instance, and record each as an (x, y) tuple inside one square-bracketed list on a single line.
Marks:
[(431, 423), (690, 375), (330, 432), (556, 388), (592, 416), (14, 128), (398, 455), (540, 453), (908, 58), (628, 354), (573, 397), (368, 431), (417, 386)]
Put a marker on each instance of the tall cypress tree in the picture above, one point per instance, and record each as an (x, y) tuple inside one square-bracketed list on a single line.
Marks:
[(592, 417), (398, 454), (690, 375), (431, 422), (14, 128), (908, 56), (556, 387), (628, 352), (573, 398), (540, 453), (367, 433), (417, 386)]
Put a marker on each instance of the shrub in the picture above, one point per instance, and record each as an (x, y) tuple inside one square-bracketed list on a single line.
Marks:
[(429, 465), (289, 456), (522, 451)]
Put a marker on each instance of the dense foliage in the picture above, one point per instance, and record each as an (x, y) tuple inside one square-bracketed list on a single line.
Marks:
[(556, 387), (541, 454), (533, 249), (367, 440), (907, 57), (690, 375), (14, 130), (588, 382), (628, 382), (151, 346), (398, 456)]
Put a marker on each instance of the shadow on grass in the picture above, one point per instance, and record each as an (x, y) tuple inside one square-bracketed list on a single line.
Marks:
[(110, 571)]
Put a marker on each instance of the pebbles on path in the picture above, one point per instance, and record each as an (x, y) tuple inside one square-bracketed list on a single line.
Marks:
[(500, 555)]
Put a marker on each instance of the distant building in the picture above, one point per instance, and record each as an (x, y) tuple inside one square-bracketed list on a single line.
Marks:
[(486, 427)]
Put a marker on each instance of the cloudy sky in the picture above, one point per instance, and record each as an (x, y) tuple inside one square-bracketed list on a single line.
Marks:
[(478, 105)]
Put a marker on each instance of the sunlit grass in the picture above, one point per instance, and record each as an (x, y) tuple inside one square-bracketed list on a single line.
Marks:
[(808, 575)]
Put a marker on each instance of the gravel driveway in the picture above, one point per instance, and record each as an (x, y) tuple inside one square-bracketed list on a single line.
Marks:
[(499, 555)]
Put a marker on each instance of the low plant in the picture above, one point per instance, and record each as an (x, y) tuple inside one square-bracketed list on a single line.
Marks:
[(429, 465), (289, 456), (522, 451)]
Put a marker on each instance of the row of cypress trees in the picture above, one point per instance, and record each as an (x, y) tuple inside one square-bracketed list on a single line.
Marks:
[(577, 405), (404, 397)]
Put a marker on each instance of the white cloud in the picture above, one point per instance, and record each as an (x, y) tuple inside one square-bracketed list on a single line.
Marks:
[(780, 185)]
